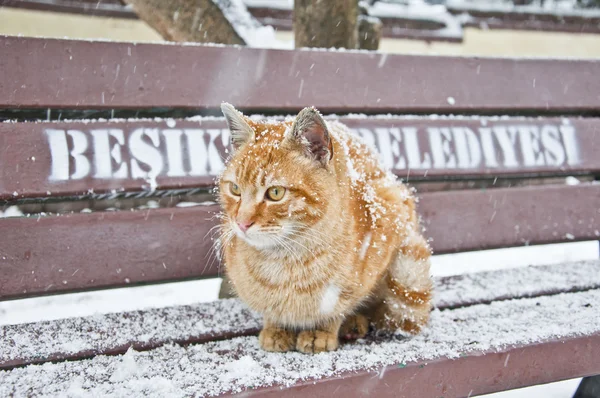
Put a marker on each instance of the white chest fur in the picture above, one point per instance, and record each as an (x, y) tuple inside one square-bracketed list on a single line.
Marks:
[(330, 298)]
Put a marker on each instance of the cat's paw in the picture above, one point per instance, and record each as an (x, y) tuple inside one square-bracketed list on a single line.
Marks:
[(354, 327), (315, 341), (277, 340), (406, 326)]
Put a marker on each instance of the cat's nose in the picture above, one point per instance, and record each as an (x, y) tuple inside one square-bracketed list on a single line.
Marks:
[(244, 225)]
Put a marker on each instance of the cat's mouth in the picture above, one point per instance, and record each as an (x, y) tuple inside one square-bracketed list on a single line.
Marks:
[(262, 237)]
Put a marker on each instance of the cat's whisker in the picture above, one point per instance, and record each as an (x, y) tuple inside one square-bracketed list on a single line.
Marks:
[(216, 250), (313, 238), (298, 243), (219, 214), (291, 250), (222, 246), (212, 230), (271, 230), (216, 234), (287, 249), (307, 233), (310, 240), (312, 231)]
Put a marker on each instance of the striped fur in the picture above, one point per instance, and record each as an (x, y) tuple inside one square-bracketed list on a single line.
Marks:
[(344, 240)]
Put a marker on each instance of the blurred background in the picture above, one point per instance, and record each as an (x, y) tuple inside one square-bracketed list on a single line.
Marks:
[(515, 28)]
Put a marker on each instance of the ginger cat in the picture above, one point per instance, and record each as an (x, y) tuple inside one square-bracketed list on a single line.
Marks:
[(317, 236)]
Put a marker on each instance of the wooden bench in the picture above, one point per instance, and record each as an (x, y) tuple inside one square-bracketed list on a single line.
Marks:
[(490, 169)]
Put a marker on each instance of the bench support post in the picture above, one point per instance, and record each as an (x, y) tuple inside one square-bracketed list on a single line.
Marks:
[(588, 388)]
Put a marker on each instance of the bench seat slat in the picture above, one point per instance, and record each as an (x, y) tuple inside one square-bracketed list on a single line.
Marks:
[(478, 147), (43, 255), (530, 331), (105, 75), (77, 338)]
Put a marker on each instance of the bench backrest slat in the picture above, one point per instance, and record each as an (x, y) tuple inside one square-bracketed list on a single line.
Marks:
[(43, 255), (107, 249), (47, 73), (76, 158)]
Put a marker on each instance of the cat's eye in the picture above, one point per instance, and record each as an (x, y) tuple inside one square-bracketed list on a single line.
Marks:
[(275, 193), (234, 189)]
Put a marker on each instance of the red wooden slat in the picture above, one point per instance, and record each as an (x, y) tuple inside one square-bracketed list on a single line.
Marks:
[(483, 373), (87, 251), (109, 8), (225, 319), (44, 73), (35, 158), (465, 220), (502, 345)]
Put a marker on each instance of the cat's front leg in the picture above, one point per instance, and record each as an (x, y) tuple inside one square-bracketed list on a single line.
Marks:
[(275, 338), (322, 339)]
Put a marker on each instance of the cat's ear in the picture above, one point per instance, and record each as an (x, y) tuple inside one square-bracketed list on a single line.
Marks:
[(241, 132), (311, 131)]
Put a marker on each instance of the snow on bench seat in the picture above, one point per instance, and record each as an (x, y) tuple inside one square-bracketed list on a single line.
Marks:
[(485, 287), (239, 364), (114, 333)]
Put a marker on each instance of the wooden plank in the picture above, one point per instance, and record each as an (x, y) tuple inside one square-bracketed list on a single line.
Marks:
[(86, 251), (510, 217), (419, 29), (77, 158), (526, 18), (40, 342), (43, 255), (470, 375), (48, 73), (472, 350), (556, 23), (105, 8)]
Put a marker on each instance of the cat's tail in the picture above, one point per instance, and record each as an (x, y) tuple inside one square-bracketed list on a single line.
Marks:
[(406, 291)]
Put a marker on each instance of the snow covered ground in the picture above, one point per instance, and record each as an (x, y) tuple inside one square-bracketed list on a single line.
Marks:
[(82, 304)]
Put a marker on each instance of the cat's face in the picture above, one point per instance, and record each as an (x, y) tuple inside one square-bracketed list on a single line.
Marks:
[(277, 183)]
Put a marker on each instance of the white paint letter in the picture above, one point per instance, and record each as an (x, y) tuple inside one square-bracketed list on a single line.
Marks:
[(413, 152), (214, 157), (507, 140), (383, 138), (59, 151), (196, 151), (487, 143), (531, 147), (553, 149), (568, 134), (439, 139), (80, 145), (368, 137), (142, 151), (174, 152), (392, 141), (467, 147), (103, 155)]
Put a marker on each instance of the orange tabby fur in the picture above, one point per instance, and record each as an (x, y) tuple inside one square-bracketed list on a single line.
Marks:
[(340, 250)]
